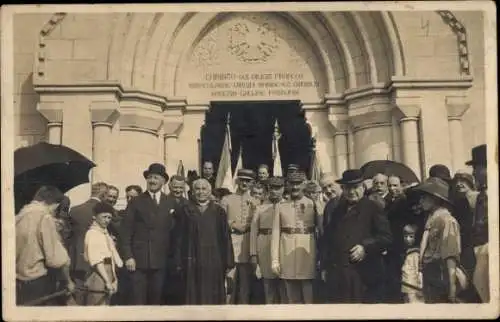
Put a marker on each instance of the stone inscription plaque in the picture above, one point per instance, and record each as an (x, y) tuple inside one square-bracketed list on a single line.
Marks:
[(254, 84)]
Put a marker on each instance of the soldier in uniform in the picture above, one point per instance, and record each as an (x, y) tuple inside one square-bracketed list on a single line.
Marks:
[(240, 208), (260, 239), (293, 244)]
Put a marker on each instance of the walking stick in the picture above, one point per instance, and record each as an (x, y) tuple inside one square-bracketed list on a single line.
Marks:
[(46, 298), (56, 295)]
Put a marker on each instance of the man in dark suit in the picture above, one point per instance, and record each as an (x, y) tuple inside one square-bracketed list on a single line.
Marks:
[(209, 173), (80, 219), (175, 280), (353, 240), (145, 238)]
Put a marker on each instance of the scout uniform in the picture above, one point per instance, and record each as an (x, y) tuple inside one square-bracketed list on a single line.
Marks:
[(293, 245), (240, 208), (260, 243)]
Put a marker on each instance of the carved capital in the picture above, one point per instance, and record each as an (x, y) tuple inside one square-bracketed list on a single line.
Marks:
[(52, 111), (140, 120), (339, 123), (456, 106), (172, 122), (104, 112), (407, 107), (371, 119)]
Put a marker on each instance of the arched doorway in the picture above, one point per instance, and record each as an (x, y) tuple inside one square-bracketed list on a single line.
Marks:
[(252, 126)]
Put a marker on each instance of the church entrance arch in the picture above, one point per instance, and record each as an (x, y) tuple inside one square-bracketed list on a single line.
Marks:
[(251, 126)]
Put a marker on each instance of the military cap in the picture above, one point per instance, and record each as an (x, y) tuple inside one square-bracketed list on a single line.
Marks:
[(276, 182), (296, 176), (312, 186), (246, 174)]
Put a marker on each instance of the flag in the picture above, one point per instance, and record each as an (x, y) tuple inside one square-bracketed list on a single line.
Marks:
[(181, 172), (277, 171), (239, 166), (316, 171), (224, 177), (180, 169)]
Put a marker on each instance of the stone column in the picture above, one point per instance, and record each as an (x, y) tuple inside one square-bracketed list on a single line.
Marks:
[(340, 125), (54, 135), (53, 112), (104, 115), (408, 112), (372, 136), (172, 126), (456, 107)]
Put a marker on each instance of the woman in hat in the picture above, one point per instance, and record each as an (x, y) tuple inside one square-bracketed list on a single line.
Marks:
[(464, 199), (440, 246)]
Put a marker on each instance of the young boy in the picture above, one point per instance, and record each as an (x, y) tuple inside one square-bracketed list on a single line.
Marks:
[(101, 254), (411, 277)]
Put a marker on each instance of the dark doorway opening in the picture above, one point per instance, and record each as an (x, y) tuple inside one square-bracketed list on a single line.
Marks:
[(252, 127)]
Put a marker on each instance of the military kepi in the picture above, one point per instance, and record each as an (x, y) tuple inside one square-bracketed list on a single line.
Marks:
[(276, 182), (156, 168), (296, 177), (478, 155), (246, 174)]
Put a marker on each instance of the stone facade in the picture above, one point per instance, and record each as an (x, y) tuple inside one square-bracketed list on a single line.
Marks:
[(128, 89)]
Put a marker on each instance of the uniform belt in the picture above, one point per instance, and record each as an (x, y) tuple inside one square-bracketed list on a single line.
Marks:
[(265, 231), (287, 230), (234, 232)]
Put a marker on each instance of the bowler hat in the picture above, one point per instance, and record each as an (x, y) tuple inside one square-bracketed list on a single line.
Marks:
[(436, 187), (440, 171), (276, 182), (246, 174), (478, 155), (351, 177), (156, 168)]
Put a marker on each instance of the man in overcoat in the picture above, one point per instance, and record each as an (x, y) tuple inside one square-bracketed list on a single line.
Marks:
[(356, 235), (175, 279), (80, 219), (293, 243), (240, 208), (146, 238)]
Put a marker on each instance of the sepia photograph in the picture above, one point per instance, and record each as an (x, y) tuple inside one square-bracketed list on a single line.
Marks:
[(258, 161)]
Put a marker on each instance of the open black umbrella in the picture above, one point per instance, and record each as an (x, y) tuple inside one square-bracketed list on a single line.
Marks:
[(47, 164), (388, 168)]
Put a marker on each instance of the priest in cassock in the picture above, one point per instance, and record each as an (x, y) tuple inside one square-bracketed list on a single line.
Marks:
[(207, 251)]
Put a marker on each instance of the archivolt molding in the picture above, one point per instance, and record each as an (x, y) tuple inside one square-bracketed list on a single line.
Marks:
[(459, 30), (44, 32)]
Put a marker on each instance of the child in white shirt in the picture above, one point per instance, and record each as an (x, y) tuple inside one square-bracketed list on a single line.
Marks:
[(411, 277)]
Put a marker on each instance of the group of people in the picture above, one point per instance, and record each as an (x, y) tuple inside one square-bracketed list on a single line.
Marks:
[(274, 240)]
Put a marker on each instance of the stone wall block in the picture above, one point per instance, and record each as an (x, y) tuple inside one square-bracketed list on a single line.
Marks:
[(456, 106)]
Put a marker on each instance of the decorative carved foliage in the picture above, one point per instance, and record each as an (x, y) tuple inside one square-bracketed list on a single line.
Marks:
[(253, 41)]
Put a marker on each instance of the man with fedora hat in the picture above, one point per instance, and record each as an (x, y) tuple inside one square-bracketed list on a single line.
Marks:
[(240, 208), (293, 243), (146, 238), (440, 247), (354, 238), (480, 223)]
